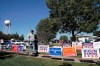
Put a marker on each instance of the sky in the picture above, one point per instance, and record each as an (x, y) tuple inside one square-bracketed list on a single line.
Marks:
[(23, 14)]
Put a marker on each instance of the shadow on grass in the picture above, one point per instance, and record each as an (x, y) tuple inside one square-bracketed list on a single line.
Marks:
[(65, 64), (98, 62), (4, 55), (88, 61), (46, 56), (63, 59)]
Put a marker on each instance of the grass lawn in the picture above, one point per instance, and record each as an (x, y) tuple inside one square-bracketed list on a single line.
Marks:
[(20, 60), (79, 54)]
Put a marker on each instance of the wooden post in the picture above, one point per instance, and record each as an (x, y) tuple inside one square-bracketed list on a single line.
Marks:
[(62, 53)]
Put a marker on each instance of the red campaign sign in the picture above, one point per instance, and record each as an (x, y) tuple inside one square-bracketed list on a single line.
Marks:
[(14, 48)]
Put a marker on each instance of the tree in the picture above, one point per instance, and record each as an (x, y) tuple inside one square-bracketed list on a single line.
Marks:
[(96, 33), (46, 31), (76, 16), (1, 35), (16, 36), (64, 38), (21, 37), (11, 36)]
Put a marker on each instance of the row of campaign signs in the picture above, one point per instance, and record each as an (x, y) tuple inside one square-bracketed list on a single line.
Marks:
[(88, 50)]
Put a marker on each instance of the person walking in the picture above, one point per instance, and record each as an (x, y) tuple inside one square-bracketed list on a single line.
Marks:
[(31, 46)]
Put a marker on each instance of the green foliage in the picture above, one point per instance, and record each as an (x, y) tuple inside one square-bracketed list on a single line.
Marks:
[(76, 16), (11, 36), (64, 38), (46, 30), (16, 36), (21, 37), (26, 61)]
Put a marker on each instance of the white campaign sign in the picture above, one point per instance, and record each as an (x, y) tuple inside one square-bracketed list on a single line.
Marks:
[(58, 46), (96, 44), (43, 48), (90, 53), (78, 45)]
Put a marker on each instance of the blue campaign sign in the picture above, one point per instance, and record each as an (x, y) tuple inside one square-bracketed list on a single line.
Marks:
[(20, 48), (55, 51)]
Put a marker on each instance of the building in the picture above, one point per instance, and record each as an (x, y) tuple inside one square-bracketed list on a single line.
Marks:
[(86, 38)]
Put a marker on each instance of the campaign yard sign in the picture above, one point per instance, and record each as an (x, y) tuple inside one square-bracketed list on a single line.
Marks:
[(69, 51), (20, 48), (55, 51), (43, 48), (87, 45), (58, 46), (96, 45), (0, 46), (14, 48), (90, 53), (78, 45)]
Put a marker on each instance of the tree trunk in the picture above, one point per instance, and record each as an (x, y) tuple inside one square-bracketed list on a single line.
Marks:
[(73, 36)]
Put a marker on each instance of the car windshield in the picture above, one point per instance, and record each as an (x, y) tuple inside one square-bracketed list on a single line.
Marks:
[(7, 42)]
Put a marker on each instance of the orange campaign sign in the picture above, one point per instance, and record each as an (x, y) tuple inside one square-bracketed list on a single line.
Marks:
[(69, 51)]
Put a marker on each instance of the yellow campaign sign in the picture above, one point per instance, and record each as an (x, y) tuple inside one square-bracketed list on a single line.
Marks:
[(69, 51)]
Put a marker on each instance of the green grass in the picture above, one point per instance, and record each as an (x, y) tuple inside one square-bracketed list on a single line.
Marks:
[(79, 54), (30, 61)]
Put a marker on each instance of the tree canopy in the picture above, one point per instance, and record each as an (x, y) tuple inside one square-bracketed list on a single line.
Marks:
[(75, 16), (64, 38), (11, 36), (46, 30)]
